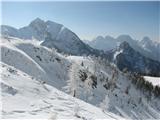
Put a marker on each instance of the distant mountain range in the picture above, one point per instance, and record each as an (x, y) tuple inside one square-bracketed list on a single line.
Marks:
[(54, 35), (146, 46)]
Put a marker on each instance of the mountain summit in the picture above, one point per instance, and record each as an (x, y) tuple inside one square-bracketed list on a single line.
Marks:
[(37, 29), (52, 35)]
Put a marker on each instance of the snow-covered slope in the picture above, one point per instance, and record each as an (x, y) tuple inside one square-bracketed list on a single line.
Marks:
[(154, 80), (40, 62), (90, 79), (104, 86), (25, 97)]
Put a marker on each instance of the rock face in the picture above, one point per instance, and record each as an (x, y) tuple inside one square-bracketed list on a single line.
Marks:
[(125, 57), (68, 42)]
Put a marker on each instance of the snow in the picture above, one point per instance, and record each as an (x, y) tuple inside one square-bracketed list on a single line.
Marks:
[(154, 80), (117, 53), (37, 29), (52, 34), (66, 41), (39, 62), (33, 100), (117, 99), (146, 46), (32, 86)]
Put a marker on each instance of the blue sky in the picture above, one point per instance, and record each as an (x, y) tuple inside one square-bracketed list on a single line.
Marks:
[(90, 19)]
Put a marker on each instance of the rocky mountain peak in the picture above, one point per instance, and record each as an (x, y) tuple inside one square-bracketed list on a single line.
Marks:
[(37, 21), (124, 45)]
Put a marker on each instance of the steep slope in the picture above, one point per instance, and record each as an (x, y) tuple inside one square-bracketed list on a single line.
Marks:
[(67, 42), (38, 61), (99, 83), (25, 97), (125, 57), (90, 79)]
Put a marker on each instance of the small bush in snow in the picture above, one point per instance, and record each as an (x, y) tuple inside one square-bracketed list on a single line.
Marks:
[(58, 60), (39, 58), (83, 75), (94, 81), (12, 71)]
